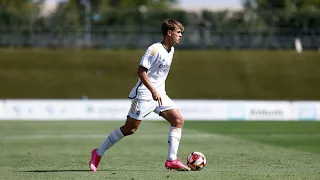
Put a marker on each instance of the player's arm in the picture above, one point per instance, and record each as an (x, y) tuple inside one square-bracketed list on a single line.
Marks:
[(142, 74)]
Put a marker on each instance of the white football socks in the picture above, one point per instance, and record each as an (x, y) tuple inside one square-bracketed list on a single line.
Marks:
[(113, 137), (173, 140)]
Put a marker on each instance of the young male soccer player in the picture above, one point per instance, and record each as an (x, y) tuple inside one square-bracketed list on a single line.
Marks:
[(149, 95)]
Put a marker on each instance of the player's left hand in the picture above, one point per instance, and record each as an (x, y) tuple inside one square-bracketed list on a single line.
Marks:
[(156, 96)]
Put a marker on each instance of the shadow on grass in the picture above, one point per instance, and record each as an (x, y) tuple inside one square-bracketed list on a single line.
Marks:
[(65, 170), (82, 170)]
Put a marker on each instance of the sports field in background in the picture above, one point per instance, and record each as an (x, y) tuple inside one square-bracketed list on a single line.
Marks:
[(234, 150)]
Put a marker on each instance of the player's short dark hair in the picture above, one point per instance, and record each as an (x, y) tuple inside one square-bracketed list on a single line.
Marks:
[(170, 24)]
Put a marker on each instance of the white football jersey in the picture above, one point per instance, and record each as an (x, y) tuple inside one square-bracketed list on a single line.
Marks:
[(158, 61)]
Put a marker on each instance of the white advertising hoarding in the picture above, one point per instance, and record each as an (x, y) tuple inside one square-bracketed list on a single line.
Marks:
[(43, 109), (1, 109), (202, 109), (66, 109), (268, 110), (306, 110), (117, 109)]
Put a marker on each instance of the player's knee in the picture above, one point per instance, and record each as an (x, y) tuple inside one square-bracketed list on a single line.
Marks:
[(126, 131), (178, 122), (131, 131)]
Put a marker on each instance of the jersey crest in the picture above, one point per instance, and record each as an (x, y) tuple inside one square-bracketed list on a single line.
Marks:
[(154, 50)]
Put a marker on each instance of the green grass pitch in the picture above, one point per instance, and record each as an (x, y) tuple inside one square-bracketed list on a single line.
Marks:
[(234, 150)]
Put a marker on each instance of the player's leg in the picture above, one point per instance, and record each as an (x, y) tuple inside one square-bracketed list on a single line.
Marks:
[(176, 121), (116, 135), (139, 109), (174, 117), (130, 126), (170, 112)]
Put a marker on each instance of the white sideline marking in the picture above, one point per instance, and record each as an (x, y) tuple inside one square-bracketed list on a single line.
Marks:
[(88, 136)]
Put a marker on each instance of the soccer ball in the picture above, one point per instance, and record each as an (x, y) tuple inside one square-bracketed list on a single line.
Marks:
[(196, 161)]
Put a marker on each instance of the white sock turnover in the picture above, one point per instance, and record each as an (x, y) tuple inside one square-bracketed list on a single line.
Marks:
[(173, 140), (113, 137)]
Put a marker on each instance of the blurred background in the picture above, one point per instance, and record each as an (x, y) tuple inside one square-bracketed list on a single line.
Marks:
[(231, 24), (232, 49)]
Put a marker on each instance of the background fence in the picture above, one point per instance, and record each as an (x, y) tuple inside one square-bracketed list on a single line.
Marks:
[(140, 37), (138, 26)]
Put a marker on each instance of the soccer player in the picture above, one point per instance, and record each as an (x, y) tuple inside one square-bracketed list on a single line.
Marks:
[(149, 95)]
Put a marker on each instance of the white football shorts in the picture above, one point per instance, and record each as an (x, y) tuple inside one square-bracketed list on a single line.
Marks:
[(141, 108)]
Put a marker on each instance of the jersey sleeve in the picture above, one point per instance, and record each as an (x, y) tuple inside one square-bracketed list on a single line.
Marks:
[(149, 57)]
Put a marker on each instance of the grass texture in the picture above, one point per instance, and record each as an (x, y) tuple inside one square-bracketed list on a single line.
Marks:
[(234, 150)]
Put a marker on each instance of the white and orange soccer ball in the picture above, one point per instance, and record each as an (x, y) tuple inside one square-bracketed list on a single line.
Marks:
[(196, 161)]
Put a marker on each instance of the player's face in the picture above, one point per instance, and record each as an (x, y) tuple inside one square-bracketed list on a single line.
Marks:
[(176, 35)]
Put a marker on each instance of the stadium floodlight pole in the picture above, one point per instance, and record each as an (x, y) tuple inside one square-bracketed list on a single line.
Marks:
[(87, 21)]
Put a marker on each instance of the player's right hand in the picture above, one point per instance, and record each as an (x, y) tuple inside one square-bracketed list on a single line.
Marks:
[(156, 96)]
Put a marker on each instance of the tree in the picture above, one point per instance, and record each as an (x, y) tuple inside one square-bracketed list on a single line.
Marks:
[(20, 5), (286, 13), (19, 11), (281, 4), (106, 4), (111, 12)]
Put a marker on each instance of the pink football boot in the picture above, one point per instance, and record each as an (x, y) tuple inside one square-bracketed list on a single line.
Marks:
[(177, 165), (95, 160)]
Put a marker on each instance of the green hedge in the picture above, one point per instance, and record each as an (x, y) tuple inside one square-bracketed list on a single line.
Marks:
[(66, 73)]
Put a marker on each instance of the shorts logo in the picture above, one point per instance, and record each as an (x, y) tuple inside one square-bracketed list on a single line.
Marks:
[(138, 113)]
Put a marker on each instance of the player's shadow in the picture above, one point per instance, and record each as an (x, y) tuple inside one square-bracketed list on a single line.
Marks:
[(80, 170), (65, 170)]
